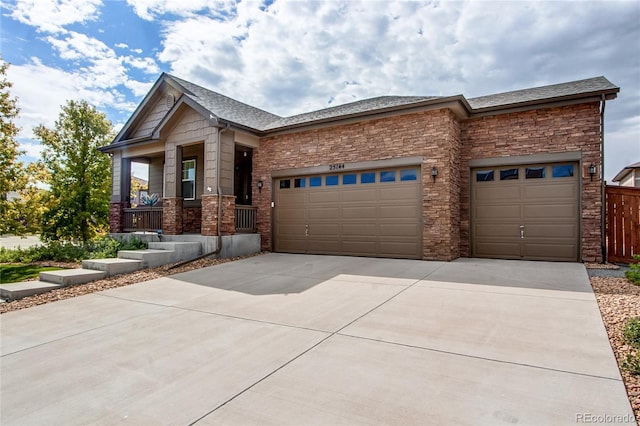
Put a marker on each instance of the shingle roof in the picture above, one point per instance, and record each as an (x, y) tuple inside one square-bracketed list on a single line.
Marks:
[(366, 105), (580, 87), (227, 108), (245, 115), (625, 171)]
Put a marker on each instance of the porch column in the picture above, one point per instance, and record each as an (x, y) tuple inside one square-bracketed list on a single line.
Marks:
[(210, 215), (172, 201), (120, 188)]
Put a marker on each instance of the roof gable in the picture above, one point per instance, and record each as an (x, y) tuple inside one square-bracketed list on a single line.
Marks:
[(147, 120)]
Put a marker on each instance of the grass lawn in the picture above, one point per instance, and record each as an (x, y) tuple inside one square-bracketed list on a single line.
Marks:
[(13, 273)]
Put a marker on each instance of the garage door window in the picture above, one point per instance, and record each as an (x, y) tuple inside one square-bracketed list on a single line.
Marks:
[(349, 179), (484, 176), (411, 174), (563, 170), (509, 174), (315, 181), (368, 178), (299, 183), (534, 173), (331, 180), (285, 183), (388, 176)]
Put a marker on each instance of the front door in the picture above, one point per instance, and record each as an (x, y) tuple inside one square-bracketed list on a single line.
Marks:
[(242, 176)]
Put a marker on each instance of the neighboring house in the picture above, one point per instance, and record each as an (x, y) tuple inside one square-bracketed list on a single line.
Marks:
[(629, 176), (513, 175)]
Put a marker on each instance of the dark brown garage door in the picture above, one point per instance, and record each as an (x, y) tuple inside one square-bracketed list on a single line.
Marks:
[(526, 212), (366, 213)]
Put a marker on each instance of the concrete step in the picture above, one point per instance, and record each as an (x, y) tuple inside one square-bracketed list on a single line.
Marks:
[(15, 291), (66, 277), (150, 258), (184, 250), (113, 266)]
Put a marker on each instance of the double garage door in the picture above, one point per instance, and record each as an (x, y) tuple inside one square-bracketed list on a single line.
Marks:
[(517, 212), (364, 213), (526, 212)]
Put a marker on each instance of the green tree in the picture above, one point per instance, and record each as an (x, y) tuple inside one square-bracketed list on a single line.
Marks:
[(80, 176), (12, 176)]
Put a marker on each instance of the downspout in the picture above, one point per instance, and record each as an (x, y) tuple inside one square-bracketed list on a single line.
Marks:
[(219, 193), (603, 210)]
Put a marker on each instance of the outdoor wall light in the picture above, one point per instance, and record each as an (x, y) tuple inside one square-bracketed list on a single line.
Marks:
[(260, 185), (592, 171), (434, 173)]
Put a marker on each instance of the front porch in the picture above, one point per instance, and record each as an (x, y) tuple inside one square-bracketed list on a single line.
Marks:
[(150, 219)]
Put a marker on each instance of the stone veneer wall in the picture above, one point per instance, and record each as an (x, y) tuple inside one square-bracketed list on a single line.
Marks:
[(172, 216), (191, 219), (210, 215), (116, 217), (431, 134), (552, 130)]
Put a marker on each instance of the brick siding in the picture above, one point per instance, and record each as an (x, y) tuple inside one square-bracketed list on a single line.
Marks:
[(191, 219), (172, 216), (116, 217), (210, 215), (432, 134), (552, 130)]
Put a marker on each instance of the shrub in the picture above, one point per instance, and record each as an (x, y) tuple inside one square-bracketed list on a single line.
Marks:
[(633, 274), (632, 331), (101, 247), (632, 364)]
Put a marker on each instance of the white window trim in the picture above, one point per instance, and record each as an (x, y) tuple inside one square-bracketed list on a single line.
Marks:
[(189, 180)]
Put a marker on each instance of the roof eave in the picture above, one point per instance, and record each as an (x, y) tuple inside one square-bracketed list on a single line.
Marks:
[(116, 146), (596, 96), (458, 104)]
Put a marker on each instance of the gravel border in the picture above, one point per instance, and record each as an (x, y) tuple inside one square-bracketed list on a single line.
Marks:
[(618, 300)]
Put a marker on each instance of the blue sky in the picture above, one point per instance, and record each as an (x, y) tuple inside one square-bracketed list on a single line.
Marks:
[(291, 57)]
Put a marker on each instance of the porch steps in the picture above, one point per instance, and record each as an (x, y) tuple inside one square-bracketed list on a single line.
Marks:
[(65, 277), (113, 266), (15, 291), (158, 253)]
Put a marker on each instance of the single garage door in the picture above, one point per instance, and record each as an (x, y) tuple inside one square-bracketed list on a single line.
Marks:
[(365, 213), (526, 212)]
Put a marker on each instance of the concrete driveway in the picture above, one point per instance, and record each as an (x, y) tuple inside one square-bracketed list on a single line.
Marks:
[(295, 339)]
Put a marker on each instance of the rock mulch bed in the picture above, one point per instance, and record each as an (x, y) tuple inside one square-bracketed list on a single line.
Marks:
[(619, 301), (107, 283)]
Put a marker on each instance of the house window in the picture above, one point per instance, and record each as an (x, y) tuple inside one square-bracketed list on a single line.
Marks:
[(189, 179)]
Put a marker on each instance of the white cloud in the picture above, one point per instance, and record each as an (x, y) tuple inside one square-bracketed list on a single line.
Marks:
[(149, 9), (121, 45), (148, 65), (52, 15), (41, 91)]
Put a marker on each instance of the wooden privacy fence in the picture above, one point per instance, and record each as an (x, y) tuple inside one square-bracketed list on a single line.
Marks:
[(623, 223)]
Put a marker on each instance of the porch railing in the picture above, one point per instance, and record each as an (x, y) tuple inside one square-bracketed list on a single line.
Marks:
[(142, 219), (246, 218)]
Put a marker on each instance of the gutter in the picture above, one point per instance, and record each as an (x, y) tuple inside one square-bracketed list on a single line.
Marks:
[(603, 187)]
